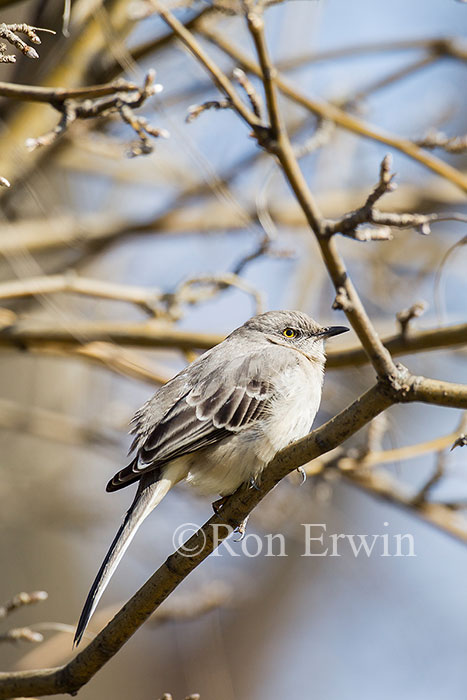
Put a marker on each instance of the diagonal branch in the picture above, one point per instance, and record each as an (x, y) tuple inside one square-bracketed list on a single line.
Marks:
[(219, 78), (77, 672), (340, 117)]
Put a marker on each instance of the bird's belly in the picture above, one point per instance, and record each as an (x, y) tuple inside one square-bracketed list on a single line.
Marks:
[(222, 468)]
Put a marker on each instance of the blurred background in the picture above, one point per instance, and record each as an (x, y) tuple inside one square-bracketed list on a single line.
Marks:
[(206, 223)]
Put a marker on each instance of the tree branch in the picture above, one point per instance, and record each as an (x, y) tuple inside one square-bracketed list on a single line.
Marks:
[(77, 672), (220, 79), (343, 119)]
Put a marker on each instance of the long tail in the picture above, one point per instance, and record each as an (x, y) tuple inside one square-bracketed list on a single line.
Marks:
[(149, 494)]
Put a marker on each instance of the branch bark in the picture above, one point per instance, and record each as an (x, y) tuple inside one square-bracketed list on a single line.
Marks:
[(77, 672), (29, 334), (343, 119)]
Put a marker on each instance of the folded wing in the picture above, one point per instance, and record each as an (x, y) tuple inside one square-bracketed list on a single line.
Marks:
[(217, 401)]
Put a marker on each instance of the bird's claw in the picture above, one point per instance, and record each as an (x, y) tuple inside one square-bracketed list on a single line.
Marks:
[(253, 484), (217, 505), (241, 529), (303, 475)]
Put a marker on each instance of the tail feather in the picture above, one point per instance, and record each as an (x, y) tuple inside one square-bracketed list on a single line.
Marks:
[(150, 493)]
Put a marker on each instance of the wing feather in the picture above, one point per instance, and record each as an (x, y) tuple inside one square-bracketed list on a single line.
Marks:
[(223, 400)]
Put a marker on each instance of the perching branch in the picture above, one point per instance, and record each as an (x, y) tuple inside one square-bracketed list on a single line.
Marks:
[(77, 672)]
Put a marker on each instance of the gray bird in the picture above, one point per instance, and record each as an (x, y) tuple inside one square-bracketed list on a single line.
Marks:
[(220, 421)]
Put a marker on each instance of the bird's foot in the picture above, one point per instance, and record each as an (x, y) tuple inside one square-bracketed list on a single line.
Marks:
[(217, 505), (253, 484), (303, 473), (241, 529)]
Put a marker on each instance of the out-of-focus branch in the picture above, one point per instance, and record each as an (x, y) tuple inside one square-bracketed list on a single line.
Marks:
[(343, 119), (34, 335), (118, 360), (151, 334), (76, 673), (362, 470), (17, 634), (382, 485), (58, 95), (220, 79), (108, 67), (146, 298), (51, 425), (441, 46), (153, 301), (450, 144), (10, 32), (393, 77), (20, 600), (21, 634), (415, 341), (121, 103), (398, 454)]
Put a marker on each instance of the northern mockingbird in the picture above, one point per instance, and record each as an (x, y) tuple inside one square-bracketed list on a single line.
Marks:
[(220, 421)]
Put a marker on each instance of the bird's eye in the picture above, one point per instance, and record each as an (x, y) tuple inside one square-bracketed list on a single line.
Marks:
[(289, 333)]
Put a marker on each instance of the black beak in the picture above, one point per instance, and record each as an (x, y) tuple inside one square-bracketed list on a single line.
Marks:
[(331, 331)]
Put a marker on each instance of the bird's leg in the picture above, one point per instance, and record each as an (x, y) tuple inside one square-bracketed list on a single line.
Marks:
[(253, 484), (217, 505), (241, 529), (303, 473)]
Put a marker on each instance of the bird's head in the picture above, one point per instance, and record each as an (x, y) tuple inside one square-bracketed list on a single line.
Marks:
[(294, 329)]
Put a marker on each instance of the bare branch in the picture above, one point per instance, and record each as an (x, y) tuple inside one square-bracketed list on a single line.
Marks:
[(90, 103), (20, 600), (148, 299), (450, 144), (406, 315), (220, 79), (178, 566), (10, 33), (423, 494), (343, 119), (21, 634), (255, 100), (195, 110), (460, 442), (349, 224)]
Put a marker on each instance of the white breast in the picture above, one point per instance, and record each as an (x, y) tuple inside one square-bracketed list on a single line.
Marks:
[(296, 405), (222, 468)]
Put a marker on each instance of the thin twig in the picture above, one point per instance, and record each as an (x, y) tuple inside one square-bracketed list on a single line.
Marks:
[(450, 144), (343, 119), (10, 32), (20, 600)]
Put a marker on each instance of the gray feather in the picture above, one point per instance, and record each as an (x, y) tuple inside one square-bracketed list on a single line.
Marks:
[(204, 404)]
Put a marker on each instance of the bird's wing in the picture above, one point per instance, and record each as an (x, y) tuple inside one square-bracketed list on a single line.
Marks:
[(218, 400)]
